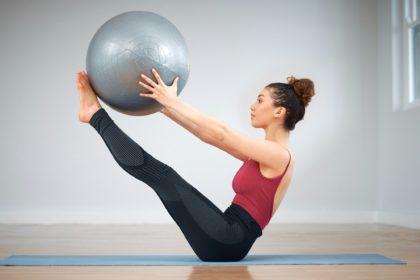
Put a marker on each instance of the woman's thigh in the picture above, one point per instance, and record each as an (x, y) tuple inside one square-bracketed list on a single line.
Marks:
[(213, 235)]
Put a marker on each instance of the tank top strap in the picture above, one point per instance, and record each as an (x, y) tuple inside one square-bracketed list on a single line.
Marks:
[(290, 158)]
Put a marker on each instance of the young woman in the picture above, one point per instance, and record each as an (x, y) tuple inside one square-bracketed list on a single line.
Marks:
[(260, 184)]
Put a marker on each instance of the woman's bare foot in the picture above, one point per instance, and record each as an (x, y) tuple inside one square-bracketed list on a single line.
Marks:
[(89, 103)]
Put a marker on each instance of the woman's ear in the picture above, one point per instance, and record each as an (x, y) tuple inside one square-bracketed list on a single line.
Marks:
[(279, 112)]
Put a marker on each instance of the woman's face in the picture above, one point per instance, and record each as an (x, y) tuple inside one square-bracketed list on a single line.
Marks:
[(262, 110)]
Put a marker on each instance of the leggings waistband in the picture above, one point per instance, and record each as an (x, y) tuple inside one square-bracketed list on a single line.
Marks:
[(245, 218)]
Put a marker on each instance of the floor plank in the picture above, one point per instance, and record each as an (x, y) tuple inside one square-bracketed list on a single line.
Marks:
[(78, 239)]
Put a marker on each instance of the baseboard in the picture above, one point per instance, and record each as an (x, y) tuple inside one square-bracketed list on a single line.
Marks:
[(86, 217), (323, 216), (409, 220), (163, 217)]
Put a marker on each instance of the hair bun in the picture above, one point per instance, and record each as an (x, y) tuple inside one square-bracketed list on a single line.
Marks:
[(304, 88)]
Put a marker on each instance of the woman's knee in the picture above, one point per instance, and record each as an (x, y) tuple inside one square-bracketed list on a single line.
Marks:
[(150, 171)]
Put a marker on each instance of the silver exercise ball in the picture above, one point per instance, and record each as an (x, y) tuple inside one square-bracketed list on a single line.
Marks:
[(131, 44)]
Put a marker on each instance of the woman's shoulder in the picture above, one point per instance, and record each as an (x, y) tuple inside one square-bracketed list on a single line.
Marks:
[(287, 153)]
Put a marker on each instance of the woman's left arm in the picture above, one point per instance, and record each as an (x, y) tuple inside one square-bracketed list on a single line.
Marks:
[(196, 130), (212, 130)]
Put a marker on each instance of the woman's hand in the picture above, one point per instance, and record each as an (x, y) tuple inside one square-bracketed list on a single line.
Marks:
[(160, 92)]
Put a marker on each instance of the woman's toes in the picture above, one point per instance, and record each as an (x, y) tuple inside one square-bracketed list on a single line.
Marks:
[(81, 80)]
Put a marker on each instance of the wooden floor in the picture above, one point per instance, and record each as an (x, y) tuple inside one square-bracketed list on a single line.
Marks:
[(392, 241)]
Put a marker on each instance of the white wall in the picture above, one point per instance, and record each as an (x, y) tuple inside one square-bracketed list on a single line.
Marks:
[(55, 169), (398, 141)]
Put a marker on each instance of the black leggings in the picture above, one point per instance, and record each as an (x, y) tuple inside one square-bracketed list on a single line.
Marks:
[(212, 234)]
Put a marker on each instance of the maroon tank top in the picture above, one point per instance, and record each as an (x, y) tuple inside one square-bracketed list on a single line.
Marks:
[(255, 192)]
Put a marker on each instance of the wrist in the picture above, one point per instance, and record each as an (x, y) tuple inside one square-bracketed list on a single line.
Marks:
[(171, 103)]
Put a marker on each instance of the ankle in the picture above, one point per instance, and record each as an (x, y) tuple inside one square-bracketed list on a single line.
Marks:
[(93, 109)]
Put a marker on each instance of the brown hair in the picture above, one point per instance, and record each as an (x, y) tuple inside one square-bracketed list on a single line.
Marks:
[(294, 96)]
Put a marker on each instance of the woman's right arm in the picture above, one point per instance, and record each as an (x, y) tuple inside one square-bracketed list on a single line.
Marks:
[(191, 127)]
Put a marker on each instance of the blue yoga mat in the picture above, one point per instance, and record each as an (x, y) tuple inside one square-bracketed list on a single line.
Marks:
[(190, 260)]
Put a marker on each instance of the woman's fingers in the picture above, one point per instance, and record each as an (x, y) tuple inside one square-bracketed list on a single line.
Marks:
[(156, 74), (160, 91), (146, 86), (148, 95), (150, 81), (175, 82)]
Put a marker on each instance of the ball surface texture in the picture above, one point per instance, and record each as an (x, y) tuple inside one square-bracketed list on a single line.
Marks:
[(131, 44)]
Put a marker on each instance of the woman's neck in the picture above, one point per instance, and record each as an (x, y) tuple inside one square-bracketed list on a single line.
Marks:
[(277, 134)]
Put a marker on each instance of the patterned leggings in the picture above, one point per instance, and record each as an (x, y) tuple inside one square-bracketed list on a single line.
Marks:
[(212, 234)]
